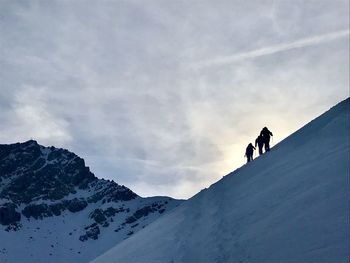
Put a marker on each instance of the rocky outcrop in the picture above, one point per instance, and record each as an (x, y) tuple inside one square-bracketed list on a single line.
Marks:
[(8, 214), (98, 216), (39, 211), (76, 205), (45, 172), (109, 191), (92, 232), (145, 211), (33, 172)]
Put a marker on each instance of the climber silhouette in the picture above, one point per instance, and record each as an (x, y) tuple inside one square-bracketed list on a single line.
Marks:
[(260, 142), (266, 134), (249, 152)]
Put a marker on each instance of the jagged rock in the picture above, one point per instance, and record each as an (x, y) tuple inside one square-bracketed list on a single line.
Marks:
[(110, 211), (13, 227), (48, 173), (130, 220), (144, 211), (90, 226), (57, 208), (43, 210), (76, 205), (111, 191), (92, 232), (98, 216), (17, 158), (8, 214), (37, 211)]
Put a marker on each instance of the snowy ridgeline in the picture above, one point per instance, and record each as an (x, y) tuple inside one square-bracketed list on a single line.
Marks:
[(290, 205), (53, 209)]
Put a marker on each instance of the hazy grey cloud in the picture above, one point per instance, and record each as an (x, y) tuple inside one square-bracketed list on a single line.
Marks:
[(113, 81)]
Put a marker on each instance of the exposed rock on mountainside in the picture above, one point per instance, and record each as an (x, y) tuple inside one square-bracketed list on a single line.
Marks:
[(46, 185), (8, 214)]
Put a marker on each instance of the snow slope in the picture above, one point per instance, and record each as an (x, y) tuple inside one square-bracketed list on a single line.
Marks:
[(290, 205), (56, 239)]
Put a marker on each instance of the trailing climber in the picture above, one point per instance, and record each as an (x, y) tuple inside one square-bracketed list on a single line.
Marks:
[(249, 152)]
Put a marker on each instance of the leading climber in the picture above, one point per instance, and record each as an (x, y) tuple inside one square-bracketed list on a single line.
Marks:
[(266, 134)]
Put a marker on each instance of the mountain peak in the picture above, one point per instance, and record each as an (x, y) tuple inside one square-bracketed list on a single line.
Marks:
[(48, 194), (31, 141), (37, 171)]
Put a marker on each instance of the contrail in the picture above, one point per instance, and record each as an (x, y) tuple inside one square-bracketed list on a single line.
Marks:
[(310, 41)]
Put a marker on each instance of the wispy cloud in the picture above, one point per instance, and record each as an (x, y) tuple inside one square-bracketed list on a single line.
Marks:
[(300, 43)]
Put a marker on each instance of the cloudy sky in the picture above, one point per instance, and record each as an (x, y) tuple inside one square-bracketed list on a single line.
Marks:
[(163, 95)]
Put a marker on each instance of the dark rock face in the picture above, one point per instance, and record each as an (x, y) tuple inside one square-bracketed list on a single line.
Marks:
[(144, 211), (37, 211), (57, 208), (8, 214), (92, 232), (111, 192), (51, 174), (35, 170), (13, 227), (98, 216), (76, 205), (110, 211)]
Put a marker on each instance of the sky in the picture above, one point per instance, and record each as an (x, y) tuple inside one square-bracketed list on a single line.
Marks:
[(163, 96)]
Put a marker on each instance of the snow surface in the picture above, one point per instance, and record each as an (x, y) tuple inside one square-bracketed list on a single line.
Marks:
[(56, 238), (289, 205)]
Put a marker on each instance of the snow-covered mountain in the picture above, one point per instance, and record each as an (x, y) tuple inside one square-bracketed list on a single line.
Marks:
[(289, 205), (53, 209)]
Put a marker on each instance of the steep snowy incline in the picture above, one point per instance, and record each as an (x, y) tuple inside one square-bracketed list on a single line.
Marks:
[(290, 205)]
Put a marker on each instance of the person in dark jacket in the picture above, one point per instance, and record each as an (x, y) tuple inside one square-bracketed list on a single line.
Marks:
[(260, 143), (266, 134), (249, 152)]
